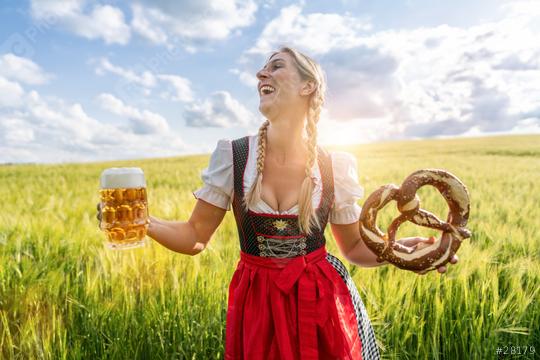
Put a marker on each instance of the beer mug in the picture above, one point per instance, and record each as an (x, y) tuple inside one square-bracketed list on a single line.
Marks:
[(124, 207)]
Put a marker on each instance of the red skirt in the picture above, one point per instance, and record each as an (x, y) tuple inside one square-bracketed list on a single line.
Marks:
[(293, 308)]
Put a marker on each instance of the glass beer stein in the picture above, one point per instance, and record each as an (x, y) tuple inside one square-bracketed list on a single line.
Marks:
[(124, 207)]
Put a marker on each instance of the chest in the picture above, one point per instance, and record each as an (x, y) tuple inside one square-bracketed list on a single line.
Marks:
[(281, 184)]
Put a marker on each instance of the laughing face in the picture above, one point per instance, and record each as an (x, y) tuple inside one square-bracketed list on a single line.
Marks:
[(280, 86)]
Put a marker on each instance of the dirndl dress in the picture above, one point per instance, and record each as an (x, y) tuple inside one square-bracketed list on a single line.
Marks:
[(289, 298)]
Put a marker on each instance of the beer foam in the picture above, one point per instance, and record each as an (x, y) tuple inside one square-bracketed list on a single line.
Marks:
[(117, 178)]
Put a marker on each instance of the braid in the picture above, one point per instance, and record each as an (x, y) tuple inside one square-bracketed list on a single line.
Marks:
[(254, 194), (307, 216), (261, 147)]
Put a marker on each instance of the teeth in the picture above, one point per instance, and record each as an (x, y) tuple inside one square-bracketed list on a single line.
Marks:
[(267, 89)]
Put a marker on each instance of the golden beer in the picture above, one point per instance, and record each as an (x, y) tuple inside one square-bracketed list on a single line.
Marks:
[(124, 207)]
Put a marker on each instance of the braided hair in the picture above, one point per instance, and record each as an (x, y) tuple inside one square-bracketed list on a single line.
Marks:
[(254, 194)]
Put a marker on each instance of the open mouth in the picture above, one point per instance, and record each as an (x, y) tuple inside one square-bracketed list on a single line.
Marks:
[(266, 89)]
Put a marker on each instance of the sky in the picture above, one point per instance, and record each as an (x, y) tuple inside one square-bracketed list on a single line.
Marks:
[(86, 80)]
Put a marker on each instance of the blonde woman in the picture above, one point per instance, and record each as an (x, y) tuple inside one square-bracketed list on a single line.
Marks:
[(288, 298)]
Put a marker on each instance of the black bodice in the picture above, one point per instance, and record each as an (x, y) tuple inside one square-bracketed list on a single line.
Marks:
[(272, 235)]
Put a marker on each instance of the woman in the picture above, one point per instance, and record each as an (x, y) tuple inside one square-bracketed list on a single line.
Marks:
[(288, 298)]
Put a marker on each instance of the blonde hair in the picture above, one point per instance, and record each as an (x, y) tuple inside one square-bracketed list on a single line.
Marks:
[(309, 70)]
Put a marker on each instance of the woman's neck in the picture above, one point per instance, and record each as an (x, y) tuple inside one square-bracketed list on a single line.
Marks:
[(285, 140)]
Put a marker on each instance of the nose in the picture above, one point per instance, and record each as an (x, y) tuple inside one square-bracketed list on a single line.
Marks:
[(262, 74)]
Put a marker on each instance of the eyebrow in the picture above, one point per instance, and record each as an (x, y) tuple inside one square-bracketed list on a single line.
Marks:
[(275, 60)]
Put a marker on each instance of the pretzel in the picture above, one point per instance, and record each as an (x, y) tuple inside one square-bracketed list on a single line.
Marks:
[(424, 257)]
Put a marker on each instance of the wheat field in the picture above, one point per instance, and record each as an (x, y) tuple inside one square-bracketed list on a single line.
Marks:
[(64, 295)]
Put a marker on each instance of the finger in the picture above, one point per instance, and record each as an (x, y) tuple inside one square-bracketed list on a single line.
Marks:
[(423, 244), (98, 208), (413, 241), (408, 241), (441, 269), (454, 259), (427, 241)]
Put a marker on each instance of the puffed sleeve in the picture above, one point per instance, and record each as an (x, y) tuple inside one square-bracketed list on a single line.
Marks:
[(218, 177), (347, 190)]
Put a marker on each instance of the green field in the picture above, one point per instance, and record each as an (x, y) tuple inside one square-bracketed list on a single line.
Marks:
[(63, 295)]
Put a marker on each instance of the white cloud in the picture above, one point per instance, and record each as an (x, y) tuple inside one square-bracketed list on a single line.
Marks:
[(49, 129), (451, 79), (161, 22), (144, 78), (316, 33), (522, 8), (143, 24), (107, 22), (219, 110), (172, 87), (15, 131), (142, 121), (248, 78), (158, 21), (21, 69), (56, 8), (527, 126), (67, 123), (361, 83), (433, 81), (181, 88), (99, 21), (11, 93)]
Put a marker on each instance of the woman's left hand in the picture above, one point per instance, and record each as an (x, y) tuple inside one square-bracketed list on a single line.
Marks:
[(420, 242)]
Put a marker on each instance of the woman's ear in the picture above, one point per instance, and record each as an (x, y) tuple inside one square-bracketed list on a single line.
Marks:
[(308, 88)]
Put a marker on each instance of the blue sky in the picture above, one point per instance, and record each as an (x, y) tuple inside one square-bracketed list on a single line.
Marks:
[(85, 80)]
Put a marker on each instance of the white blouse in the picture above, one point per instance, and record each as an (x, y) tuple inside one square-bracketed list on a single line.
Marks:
[(218, 181)]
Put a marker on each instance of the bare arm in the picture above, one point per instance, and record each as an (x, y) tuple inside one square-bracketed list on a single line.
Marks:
[(352, 247), (192, 236)]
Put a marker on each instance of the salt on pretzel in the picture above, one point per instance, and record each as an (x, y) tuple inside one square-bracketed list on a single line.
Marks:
[(424, 257)]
